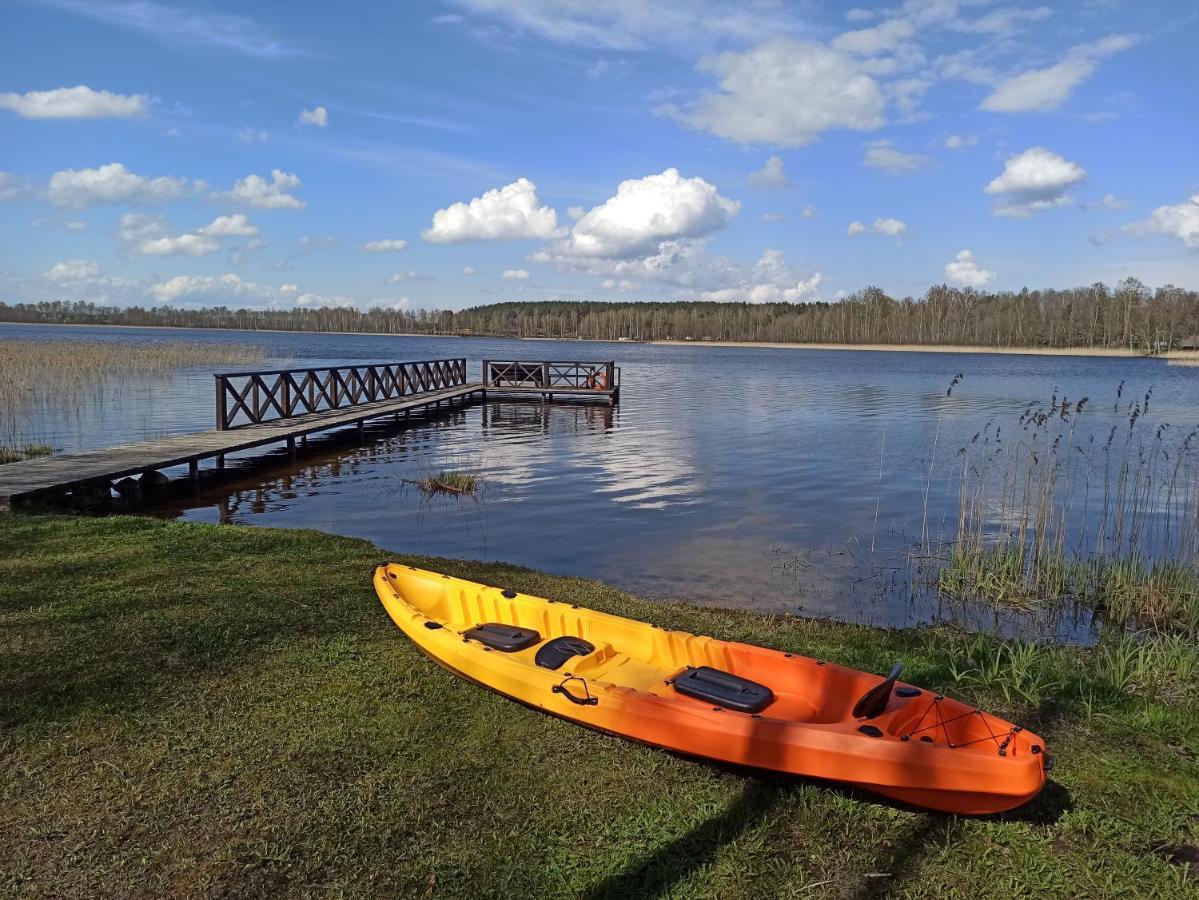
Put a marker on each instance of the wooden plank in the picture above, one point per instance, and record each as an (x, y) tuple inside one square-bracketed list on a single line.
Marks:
[(54, 473)]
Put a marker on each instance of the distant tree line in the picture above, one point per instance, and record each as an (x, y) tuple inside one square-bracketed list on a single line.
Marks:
[(1128, 316)]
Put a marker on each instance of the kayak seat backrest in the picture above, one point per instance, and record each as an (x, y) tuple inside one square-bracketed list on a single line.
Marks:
[(505, 638), (555, 652), (873, 703), (723, 689)]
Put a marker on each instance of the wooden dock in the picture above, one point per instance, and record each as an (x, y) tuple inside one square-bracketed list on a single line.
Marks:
[(254, 409)]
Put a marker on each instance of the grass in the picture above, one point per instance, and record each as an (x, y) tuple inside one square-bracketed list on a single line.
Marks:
[(21, 452), (448, 481), (223, 711), (68, 372), (1057, 515)]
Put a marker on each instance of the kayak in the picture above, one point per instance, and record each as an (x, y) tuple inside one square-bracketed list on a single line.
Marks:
[(719, 700)]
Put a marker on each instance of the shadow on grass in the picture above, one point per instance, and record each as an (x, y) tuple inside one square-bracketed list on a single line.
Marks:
[(673, 862)]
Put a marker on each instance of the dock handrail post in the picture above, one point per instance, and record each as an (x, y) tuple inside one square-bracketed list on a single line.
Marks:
[(222, 408), (610, 375), (545, 374), (485, 373)]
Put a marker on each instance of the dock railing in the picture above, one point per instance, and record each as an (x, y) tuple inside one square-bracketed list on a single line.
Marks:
[(251, 398), (597, 376)]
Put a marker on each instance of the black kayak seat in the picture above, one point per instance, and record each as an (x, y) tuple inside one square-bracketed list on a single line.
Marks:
[(505, 638), (723, 689), (554, 653)]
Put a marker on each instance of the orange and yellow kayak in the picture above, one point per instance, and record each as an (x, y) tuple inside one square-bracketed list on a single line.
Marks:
[(718, 699)]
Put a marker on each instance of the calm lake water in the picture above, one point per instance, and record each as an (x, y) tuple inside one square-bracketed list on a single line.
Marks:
[(803, 481)]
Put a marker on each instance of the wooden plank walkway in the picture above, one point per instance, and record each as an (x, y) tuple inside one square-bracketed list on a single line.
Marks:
[(24, 481)]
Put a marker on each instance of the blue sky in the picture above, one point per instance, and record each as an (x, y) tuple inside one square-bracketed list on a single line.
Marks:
[(446, 154)]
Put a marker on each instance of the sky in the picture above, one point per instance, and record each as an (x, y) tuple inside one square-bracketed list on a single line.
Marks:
[(455, 153)]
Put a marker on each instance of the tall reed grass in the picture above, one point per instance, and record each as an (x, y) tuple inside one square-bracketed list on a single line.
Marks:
[(68, 373), (1051, 512)]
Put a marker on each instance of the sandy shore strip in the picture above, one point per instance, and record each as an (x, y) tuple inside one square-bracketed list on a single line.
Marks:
[(944, 348)]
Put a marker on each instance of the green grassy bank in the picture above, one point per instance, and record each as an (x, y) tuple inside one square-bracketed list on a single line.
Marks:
[(222, 711)]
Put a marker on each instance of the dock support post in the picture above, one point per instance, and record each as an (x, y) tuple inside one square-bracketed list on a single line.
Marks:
[(220, 461), (291, 447), (361, 429), (193, 473)]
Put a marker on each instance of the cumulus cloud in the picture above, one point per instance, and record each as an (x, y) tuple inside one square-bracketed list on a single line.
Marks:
[(769, 280), (508, 213), (148, 235), (1043, 90), (219, 287), (809, 212), (1180, 221), (113, 183), (785, 92), (1035, 180), (515, 275), (256, 191), (960, 141), (386, 245), (858, 14), (71, 271), (79, 102), (646, 213), (468, 270), (895, 162), (890, 227), (772, 174), (965, 272), (855, 228), (1001, 21), (318, 116)]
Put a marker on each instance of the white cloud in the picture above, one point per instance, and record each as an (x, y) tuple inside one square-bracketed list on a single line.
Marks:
[(858, 14), (256, 191), (576, 212), (237, 225), (785, 92), (773, 217), (872, 41), (855, 228), (148, 234), (468, 270), (1180, 221), (1043, 90), (318, 116), (289, 288), (312, 243), (79, 102), (218, 287), (891, 227), (318, 301), (11, 188), (75, 226), (809, 212), (386, 245), (1001, 21), (644, 214), (769, 280), (508, 213), (112, 183), (892, 161), (1034, 180), (772, 174), (960, 141), (637, 25), (250, 135), (515, 274), (71, 271), (181, 245), (965, 272)]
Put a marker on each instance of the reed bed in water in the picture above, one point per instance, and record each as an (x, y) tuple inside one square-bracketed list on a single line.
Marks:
[(69, 372), (1111, 519)]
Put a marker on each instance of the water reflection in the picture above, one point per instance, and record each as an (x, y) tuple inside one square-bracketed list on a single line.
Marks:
[(811, 482)]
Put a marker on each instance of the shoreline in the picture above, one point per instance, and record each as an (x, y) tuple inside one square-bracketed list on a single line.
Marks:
[(1104, 352)]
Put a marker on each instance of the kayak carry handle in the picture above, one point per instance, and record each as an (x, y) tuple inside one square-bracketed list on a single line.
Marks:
[(585, 700), (874, 701)]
